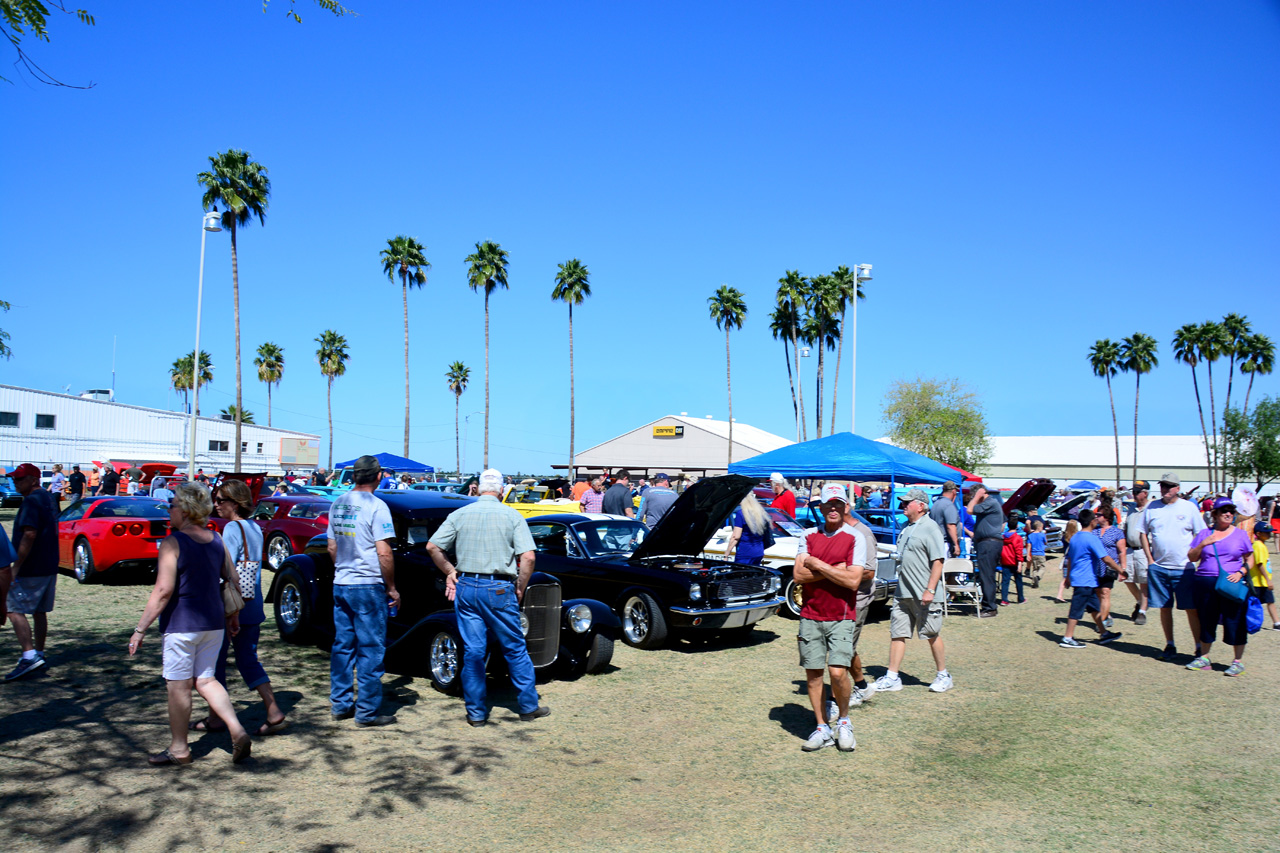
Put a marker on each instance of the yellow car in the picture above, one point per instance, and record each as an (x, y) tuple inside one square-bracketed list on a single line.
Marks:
[(536, 500)]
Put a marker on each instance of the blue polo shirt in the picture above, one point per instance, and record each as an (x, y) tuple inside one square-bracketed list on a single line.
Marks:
[(1037, 542), (1085, 554)]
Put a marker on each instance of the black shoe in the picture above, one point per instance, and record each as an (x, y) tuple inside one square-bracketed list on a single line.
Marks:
[(987, 614), (345, 715), (1110, 637), (1169, 653), (384, 720), (543, 711), (477, 723)]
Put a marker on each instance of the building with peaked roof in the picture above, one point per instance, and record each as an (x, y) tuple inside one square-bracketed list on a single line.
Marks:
[(677, 444), (1070, 458)]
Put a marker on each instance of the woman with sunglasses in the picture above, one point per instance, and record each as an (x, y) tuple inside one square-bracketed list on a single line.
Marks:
[(1220, 548)]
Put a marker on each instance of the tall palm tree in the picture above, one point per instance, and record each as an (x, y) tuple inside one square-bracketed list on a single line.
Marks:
[(230, 412), (1261, 359), (1186, 349), (487, 269), (457, 376), (241, 185), (1213, 345), (1104, 358), (181, 371), (821, 328), (573, 285), (404, 255), (793, 289), (270, 364), (782, 323), (729, 311), (1238, 331), (333, 357), (848, 288), (1137, 356)]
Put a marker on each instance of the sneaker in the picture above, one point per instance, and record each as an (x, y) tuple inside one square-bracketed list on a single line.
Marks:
[(885, 684), (1169, 653), (1139, 617), (1108, 622), (1071, 643), (1004, 604), (1276, 627), (1110, 637), (845, 741), (1236, 668), (25, 667), (1201, 662), (833, 710), (941, 684), (857, 697), (820, 738)]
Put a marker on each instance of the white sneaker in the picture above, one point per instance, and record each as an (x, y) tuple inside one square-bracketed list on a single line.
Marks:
[(845, 741), (941, 684), (885, 684), (862, 694), (820, 738), (833, 711)]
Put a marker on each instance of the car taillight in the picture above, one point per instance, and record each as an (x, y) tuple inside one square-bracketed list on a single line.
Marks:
[(135, 529), (210, 525), (118, 529)]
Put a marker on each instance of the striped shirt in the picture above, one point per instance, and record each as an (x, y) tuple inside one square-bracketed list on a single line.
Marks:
[(487, 536)]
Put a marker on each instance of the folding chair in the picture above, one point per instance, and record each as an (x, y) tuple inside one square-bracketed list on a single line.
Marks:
[(960, 582)]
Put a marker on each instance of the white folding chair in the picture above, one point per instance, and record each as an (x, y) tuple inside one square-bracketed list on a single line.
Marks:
[(960, 581)]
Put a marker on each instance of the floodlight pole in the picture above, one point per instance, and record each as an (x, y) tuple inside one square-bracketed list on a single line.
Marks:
[(210, 223), (861, 273)]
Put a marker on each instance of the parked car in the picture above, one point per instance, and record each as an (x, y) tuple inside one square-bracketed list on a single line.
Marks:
[(531, 500), (765, 495), (97, 535), (438, 486), (9, 494), (572, 637), (655, 580), (1028, 498), (288, 524)]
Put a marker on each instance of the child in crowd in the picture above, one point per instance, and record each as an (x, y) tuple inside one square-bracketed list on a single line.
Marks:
[(1072, 528), (1037, 544), (1260, 575), (1011, 555)]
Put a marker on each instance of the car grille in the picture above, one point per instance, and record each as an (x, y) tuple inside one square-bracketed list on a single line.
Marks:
[(735, 588), (542, 608)]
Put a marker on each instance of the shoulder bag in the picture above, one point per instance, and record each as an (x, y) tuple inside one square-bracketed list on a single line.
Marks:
[(1235, 592), (246, 569), (232, 600)]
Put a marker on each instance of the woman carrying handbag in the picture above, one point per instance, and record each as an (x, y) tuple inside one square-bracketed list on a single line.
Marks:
[(1220, 587)]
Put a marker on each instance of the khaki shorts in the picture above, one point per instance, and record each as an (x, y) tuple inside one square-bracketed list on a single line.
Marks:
[(824, 644), (866, 594), (1037, 565), (912, 616), (1137, 566)]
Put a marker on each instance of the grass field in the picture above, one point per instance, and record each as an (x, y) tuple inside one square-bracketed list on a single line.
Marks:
[(694, 747)]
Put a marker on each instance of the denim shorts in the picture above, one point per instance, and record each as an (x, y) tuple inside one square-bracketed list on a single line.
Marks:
[(1082, 597), (1169, 588), (32, 594)]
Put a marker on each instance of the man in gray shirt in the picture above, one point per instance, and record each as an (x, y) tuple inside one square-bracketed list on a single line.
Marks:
[(946, 515), (988, 539), (617, 498), (656, 500), (1167, 528)]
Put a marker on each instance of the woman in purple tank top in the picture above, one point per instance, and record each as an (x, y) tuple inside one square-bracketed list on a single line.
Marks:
[(187, 600)]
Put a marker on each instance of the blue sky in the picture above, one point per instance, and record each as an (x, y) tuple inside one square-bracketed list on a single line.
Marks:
[(1025, 178)]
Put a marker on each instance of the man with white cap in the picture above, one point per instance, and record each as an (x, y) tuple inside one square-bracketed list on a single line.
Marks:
[(1168, 526), (495, 555), (783, 498)]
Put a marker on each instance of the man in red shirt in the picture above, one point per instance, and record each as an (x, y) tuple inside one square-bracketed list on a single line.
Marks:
[(829, 566), (783, 498)]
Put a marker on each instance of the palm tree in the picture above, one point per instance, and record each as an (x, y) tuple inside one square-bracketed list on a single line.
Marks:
[(728, 310), (1137, 355), (793, 289), (1238, 331), (848, 288), (333, 357), (241, 185), (1104, 358), (1186, 349), (1261, 359), (572, 286), (782, 325), (230, 412), (821, 329), (487, 268), (457, 376), (405, 256), (270, 364), (181, 371), (1213, 345)]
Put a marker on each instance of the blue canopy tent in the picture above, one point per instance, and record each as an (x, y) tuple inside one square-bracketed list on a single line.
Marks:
[(1084, 486), (391, 462)]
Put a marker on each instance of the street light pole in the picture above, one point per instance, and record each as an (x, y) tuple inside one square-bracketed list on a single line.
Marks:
[(466, 435), (210, 224), (861, 273)]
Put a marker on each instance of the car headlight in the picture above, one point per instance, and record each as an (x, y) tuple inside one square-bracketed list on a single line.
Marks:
[(775, 584), (695, 592), (580, 618), (524, 624)]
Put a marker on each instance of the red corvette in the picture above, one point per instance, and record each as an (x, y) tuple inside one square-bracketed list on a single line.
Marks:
[(100, 534), (288, 523)]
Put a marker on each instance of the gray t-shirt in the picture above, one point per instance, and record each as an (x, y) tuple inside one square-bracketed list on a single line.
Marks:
[(1133, 529), (988, 519), (617, 500), (357, 522), (1170, 529), (944, 512), (919, 544)]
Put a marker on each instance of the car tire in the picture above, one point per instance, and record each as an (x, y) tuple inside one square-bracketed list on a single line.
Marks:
[(82, 561), (444, 661), (278, 549), (791, 592), (293, 608), (600, 655), (643, 625)]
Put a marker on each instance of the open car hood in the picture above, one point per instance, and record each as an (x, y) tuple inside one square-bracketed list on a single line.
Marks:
[(695, 517), (253, 481), (1030, 495)]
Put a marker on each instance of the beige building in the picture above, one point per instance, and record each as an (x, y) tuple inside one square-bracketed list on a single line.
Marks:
[(677, 444), (1069, 458)]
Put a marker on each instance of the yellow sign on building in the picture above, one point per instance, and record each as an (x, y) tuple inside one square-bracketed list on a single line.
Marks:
[(668, 431)]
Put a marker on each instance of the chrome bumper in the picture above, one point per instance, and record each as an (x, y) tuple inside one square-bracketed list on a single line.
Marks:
[(736, 608), (719, 618)]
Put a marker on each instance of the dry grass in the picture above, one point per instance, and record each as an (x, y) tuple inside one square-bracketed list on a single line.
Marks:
[(1037, 748)]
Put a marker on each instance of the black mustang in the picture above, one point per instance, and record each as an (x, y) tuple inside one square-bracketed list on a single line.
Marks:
[(423, 637), (654, 579)]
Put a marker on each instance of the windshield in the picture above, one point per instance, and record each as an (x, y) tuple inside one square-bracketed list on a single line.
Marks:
[(783, 525), (617, 537), (131, 509), (527, 494)]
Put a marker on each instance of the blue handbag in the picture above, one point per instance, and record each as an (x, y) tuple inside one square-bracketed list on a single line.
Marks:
[(1253, 615), (1235, 592)]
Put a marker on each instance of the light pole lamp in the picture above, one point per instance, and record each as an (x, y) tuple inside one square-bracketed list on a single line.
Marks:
[(861, 273), (210, 224)]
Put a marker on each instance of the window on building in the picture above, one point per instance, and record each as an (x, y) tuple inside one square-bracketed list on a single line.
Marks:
[(219, 445), (8, 419), (259, 446), (244, 447), (46, 421)]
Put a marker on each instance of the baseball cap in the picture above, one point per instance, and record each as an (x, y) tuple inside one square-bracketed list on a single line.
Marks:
[(661, 476), (366, 463), (1262, 527), (491, 480), (26, 469), (1141, 486), (1219, 503), (914, 495), (834, 492), (949, 486), (1171, 479), (776, 477)]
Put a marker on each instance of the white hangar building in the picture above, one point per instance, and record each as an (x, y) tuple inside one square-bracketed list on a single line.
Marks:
[(677, 444)]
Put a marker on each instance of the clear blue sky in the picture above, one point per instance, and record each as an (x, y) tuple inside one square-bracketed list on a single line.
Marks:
[(1025, 177)]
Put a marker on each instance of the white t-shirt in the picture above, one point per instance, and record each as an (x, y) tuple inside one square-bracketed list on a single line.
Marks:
[(357, 522), (1170, 529)]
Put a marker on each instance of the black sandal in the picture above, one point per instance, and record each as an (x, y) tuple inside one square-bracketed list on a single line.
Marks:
[(206, 725), (168, 759)]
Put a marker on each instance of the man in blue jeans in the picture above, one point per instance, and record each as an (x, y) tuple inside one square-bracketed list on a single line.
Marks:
[(360, 534), (495, 554)]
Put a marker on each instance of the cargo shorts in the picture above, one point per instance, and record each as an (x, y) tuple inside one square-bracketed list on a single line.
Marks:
[(824, 644), (912, 616)]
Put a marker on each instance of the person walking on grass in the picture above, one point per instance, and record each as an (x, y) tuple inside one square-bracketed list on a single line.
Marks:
[(1082, 568), (1137, 557), (917, 605), (1037, 547), (1167, 528), (1260, 576), (1224, 549), (32, 580), (829, 566), (1113, 540), (1012, 554)]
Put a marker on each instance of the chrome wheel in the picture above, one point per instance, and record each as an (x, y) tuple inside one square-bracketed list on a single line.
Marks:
[(636, 620), (278, 550), (794, 594), (289, 607), (83, 562), (444, 659)]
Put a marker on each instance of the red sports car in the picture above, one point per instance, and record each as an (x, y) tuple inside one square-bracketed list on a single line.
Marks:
[(100, 534), (288, 523)]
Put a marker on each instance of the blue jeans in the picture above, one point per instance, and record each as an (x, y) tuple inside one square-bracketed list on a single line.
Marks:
[(246, 646), (490, 605), (1005, 572), (359, 642)]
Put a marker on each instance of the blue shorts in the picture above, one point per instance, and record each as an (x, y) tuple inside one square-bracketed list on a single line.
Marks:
[(1082, 598), (1168, 587)]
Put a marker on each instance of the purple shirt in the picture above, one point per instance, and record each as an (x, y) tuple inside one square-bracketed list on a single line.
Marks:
[(1230, 552), (592, 501)]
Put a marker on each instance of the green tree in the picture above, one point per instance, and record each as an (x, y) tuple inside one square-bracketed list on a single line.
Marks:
[(240, 184), (1137, 356), (1251, 445), (729, 311), (1104, 359), (782, 325), (847, 288), (332, 356), (487, 270), (1261, 360), (821, 329), (270, 364), (793, 289), (573, 285), (182, 371), (1186, 349), (23, 17), (405, 255), (1238, 331), (5, 351), (1213, 344), (457, 376), (230, 412), (938, 418)]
